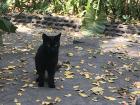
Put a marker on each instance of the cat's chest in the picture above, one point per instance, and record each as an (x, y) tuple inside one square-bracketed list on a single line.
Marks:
[(49, 57)]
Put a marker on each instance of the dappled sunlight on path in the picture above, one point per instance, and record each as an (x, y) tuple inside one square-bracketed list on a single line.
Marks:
[(130, 45)]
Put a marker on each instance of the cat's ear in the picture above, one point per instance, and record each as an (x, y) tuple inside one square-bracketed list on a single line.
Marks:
[(44, 36), (58, 36)]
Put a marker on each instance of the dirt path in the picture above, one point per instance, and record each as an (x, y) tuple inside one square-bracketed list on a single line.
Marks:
[(99, 71)]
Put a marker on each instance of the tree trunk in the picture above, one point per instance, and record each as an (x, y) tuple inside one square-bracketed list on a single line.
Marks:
[(1, 40)]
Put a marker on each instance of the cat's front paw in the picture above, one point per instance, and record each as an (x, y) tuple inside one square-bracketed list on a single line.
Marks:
[(37, 79), (51, 85), (40, 84)]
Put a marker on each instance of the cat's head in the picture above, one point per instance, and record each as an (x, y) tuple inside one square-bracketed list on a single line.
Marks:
[(51, 42)]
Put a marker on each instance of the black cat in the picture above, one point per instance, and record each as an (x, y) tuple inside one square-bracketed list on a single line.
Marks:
[(47, 58)]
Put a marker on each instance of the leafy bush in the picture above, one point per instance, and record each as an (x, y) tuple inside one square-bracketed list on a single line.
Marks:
[(7, 26), (3, 8), (95, 12), (94, 20)]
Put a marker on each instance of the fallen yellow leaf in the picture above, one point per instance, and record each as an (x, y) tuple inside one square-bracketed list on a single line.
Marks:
[(25, 85), (79, 48), (70, 54), (68, 66), (18, 103), (19, 94), (89, 51), (105, 41), (97, 90), (68, 95), (110, 98), (137, 92), (83, 94), (77, 67), (82, 61), (76, 87), (49, 98), (37, 100), (11, 67), (22, 89), (30, 85), (46, 103), (57, 99), (87, 75), (127, 79), (69, 74)]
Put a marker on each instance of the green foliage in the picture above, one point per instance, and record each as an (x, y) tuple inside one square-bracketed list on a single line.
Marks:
[(94, 21), (91, 26), (3, 7), (125, 10), (95, 12), (39, 6), (122, 9), (56, 6), (7, 26), (67, 6)]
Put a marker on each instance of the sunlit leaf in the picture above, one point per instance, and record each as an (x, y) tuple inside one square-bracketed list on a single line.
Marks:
[(37, 100), (137, 92), (67, 66), (127, 79), (57, 99), (87, 75), (46, 103), (97, 90), (110, 98), (18, 103), (68, 95), (69, 74), (20, 94), (83, 94), (25, 85), (49, 98), (79, 48), (70, 54), (77, 67), (11, 67), (76, 87), (30, 85), (82, 61)]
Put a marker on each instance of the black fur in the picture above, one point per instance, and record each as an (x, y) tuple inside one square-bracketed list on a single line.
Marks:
[(47, 58)]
